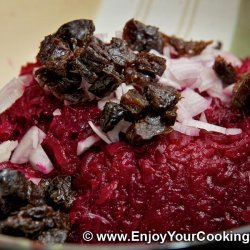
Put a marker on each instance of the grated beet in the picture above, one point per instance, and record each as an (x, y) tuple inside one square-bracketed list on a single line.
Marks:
[(175, 182)]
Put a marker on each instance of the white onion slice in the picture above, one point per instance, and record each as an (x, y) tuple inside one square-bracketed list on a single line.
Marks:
[(34, 180), (40, 161), (228, 91), (30, 141), (6, 149), (12, 91), (203, 117), (122, 126), (57, 112), (191, 104), (99, 132), (187, 130), (87, 143), (211, 127)]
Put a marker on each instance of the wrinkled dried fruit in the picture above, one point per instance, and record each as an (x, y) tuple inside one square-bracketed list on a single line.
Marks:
[(132, 75), (185, 48), (162, 97), (169, 116), (134, 102), (145, 129), (53, 236), (241, 93), (142, 37), (120, 53), (111, 115), (54, 54), (225, 71), (150, 63), (59, 190), (77, 32)]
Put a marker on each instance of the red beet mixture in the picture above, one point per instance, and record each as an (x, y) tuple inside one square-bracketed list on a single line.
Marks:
[(175, 182)]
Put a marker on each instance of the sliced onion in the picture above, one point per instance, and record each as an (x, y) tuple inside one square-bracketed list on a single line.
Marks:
[(99, 132), (122, 126), (167, 79), (87, 143), (30, 141), (208, 80), (203, 117), (211, 127), (6, 149), (12, 91), (228, 91), (57, 112), (191, 104), (187, 130), (40, 161)]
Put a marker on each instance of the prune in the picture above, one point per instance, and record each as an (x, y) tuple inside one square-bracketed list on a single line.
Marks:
[(169, 116), (120, 53), (53, 236), (134, 102), (93, 58), (186, 48), (54, 54), (77, 32), (132, 75), (111, 115), (142, 37), (162, 97), (145, 129), (105, 83), (225, 71), (150, 63), (59, 191), (241, 93)]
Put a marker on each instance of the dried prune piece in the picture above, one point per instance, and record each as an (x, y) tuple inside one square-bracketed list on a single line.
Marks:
[(225, 71), (105, 84), (134, 102), (111, 115), (142, 37), (169, 116), (145, 129), (241, 93), (120, 53), (186, 48), (54, 54), (93, 58), (150, 63), (132, 75), (162, 97), (59, 191), (77, 32), (53, 236)]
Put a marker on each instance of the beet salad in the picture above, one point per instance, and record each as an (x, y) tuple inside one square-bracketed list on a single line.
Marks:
[(145, 132)]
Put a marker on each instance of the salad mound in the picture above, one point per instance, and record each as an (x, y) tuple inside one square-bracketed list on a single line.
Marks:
[(148, 132)]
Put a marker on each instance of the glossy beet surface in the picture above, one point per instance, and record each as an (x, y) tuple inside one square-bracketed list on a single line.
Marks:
[(175, 182)]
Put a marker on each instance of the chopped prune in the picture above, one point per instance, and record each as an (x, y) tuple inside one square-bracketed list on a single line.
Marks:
[(59, 190), (186, 48), (162, 97), (142, 37), (53, 236), (106, 83), (54, 54), (120, 53), (150, 63), (111, 115), (225, 71), (145, 129), (241, 93), (93, 58), (134, 102), (132, 75), (77, 32), (169, 116)]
